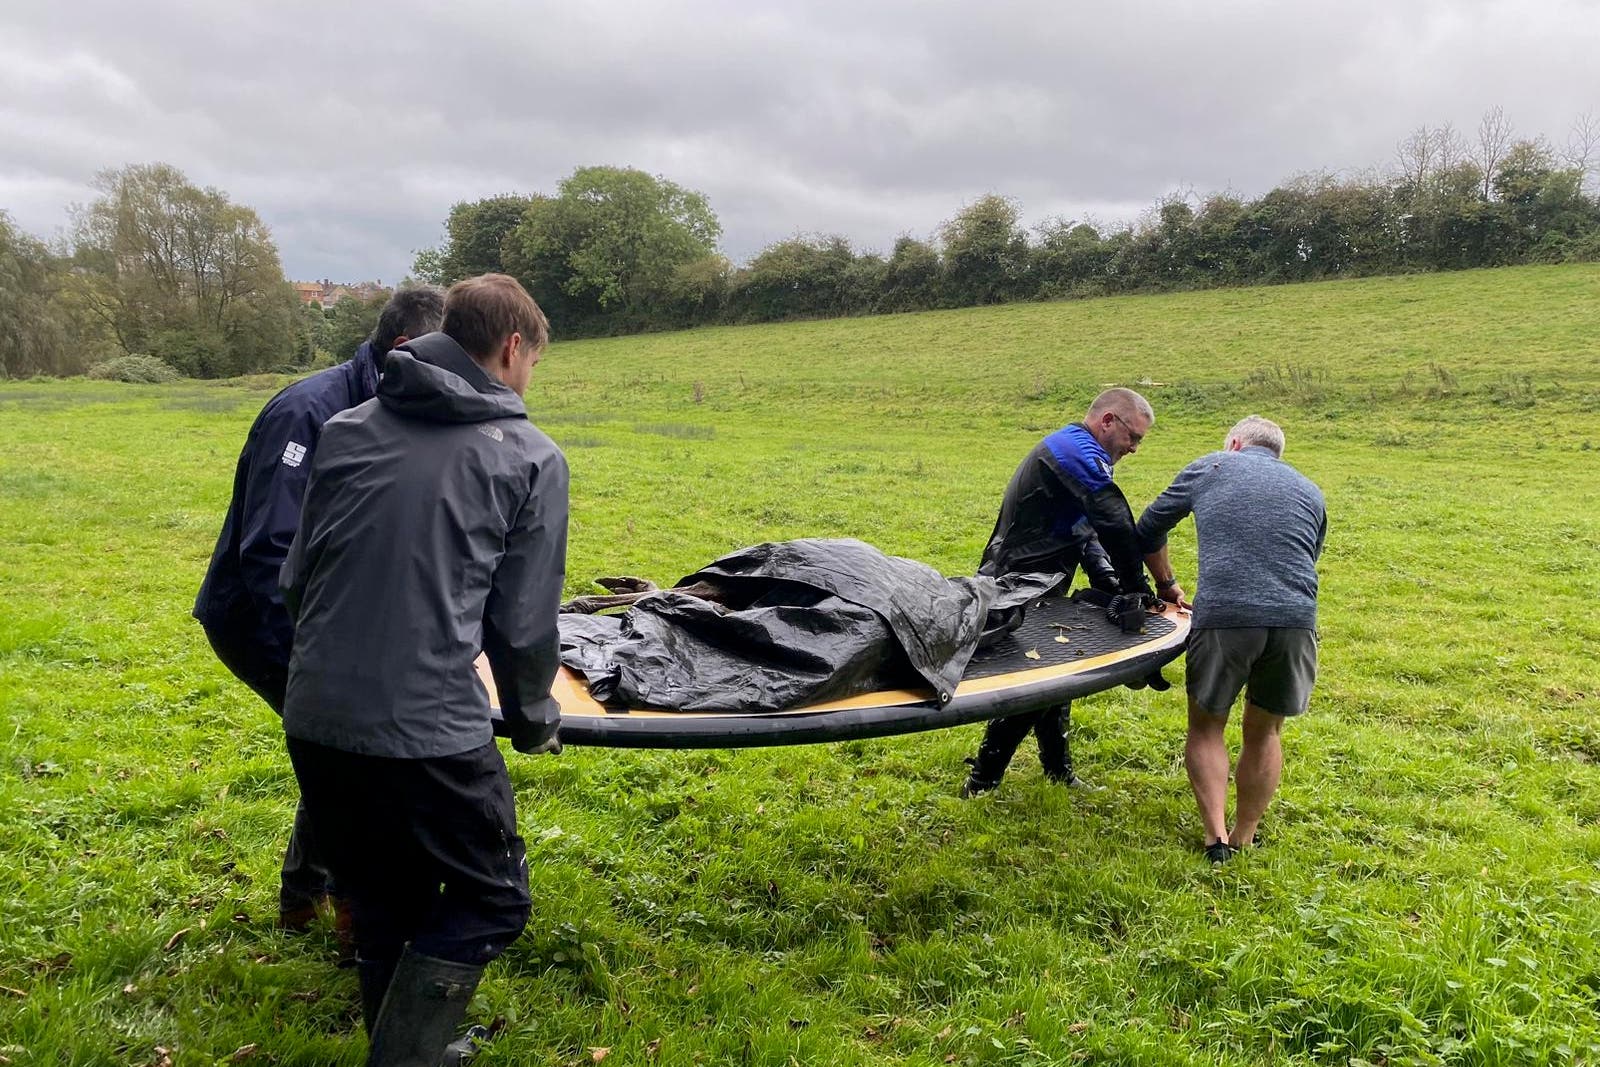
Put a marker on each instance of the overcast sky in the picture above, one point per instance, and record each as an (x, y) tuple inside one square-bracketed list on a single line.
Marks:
[(352, 127)]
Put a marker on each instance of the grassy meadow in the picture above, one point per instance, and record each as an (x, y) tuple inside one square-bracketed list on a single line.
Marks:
[(1429, 892)]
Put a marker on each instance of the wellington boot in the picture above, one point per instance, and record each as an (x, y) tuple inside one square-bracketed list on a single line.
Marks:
[(975, 783), (426, 1001), (1055, 744)]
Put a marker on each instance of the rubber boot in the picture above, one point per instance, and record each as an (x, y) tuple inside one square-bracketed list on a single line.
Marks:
[(374, 976), (1054, 730), (426, 1001), (999, 744)]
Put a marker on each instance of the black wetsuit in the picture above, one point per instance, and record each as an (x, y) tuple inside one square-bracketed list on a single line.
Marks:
[(1060, 511)]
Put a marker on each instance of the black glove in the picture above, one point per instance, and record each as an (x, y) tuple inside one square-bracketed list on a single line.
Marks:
[(1096, 597), (1154, 680), (1127, 610), (533, 739)]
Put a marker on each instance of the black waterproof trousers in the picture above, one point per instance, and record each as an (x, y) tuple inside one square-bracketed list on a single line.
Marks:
[(425, 850)]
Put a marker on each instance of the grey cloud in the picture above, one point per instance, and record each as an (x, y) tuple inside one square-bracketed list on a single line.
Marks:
[(351, 128)]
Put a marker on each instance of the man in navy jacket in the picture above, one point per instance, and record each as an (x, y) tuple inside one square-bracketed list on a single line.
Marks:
[(239, 604)]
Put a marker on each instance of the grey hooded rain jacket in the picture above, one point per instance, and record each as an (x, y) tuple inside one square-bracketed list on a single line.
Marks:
[(434, 526)]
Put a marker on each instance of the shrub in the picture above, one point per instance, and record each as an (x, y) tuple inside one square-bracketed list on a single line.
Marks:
[(147, 370)]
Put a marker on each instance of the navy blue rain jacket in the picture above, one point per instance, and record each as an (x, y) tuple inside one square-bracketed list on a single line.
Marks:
[(239, 603)]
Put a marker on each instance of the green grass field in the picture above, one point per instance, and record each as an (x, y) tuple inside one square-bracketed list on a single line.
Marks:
[(1430, 889)]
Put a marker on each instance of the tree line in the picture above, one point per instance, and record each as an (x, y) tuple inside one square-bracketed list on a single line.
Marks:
[(155, 266), (158, 269), (615, 250), (159, 278)]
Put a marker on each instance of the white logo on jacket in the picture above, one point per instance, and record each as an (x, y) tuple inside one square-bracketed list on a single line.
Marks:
[(294, 454), (493, 433)]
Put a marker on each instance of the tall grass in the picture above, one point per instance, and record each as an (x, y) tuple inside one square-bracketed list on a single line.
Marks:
[(1429, 891)]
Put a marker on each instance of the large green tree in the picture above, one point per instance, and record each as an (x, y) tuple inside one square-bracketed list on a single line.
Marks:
[(986, 252), (1542, 201), (43, 325), (185, 274), (31, 338), (350, 322), (1070, 258), (910, 277), (474, 233), (609, 244), (799, 277)]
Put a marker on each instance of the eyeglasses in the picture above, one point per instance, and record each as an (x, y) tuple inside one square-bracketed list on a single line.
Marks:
[(1133, 435)]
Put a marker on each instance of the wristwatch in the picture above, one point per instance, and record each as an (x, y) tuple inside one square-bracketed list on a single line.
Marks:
[(1168, 583)]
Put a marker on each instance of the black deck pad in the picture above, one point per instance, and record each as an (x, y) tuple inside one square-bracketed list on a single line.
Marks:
[(1084, 626)]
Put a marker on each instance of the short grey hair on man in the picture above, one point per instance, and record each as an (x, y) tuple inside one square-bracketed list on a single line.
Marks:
[(1255, 430), (410, 312), (1121, 402)]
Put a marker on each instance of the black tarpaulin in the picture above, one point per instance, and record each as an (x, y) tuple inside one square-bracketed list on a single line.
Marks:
[(799, 622)]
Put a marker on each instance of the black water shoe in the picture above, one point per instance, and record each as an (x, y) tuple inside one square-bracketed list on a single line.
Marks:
[(1071, 780), (976, 783)]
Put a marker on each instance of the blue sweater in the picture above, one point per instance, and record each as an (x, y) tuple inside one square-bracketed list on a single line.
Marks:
[(1261, 525)]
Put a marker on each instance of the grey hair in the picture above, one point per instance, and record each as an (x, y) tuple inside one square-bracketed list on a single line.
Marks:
[(1255, 430), (1121, 401), (410, 312)]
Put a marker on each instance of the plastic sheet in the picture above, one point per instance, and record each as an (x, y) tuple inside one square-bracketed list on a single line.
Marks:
[(798, 622)]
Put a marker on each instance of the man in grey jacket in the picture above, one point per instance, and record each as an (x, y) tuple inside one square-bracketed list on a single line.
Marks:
[(434, 526), (1261, 526)]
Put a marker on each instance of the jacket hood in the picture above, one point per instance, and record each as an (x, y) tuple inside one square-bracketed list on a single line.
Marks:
[(432, 377)]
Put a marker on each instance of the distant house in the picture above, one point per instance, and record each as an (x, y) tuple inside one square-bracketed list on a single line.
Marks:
[(328, 293)]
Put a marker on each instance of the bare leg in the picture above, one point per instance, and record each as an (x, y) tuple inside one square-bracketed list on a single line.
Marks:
[(1260, 768), (1205, 756)]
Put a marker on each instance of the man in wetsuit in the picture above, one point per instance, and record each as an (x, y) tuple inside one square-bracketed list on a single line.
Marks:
[(1062, 511)]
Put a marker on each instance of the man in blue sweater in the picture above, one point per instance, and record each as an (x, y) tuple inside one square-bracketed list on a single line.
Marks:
[(239, 604), (1261, 526)]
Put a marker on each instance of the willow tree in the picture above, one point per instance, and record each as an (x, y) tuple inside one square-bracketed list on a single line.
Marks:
[(185, 274)]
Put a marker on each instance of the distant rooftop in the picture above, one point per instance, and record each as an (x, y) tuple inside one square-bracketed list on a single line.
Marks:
[(328, 293)]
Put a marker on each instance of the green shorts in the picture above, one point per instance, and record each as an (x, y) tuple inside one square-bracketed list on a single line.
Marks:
[(1276, 666)]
